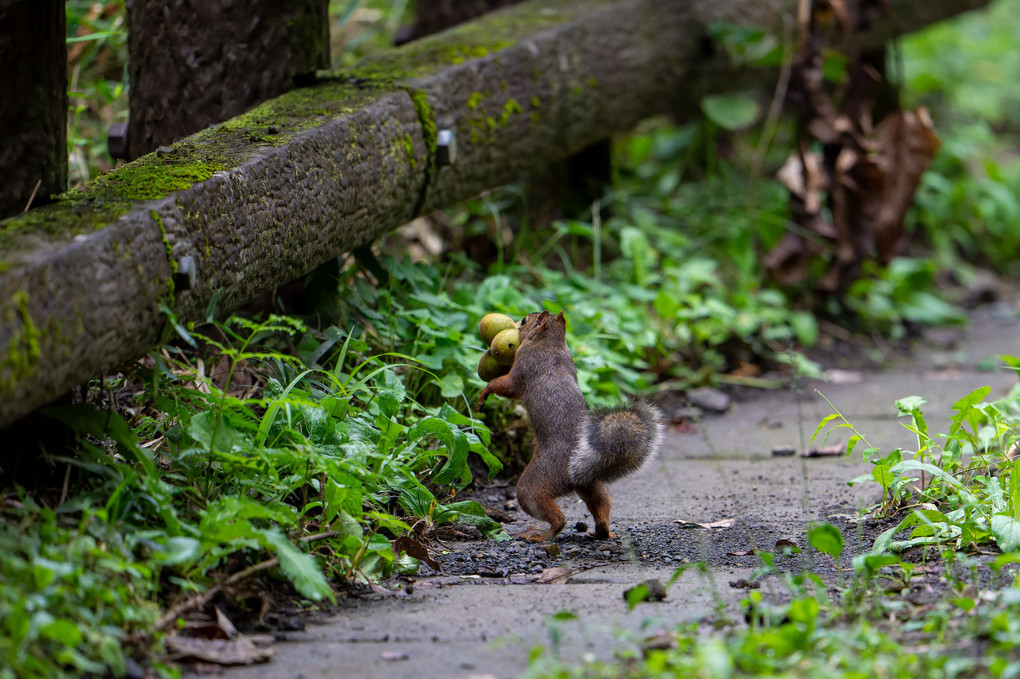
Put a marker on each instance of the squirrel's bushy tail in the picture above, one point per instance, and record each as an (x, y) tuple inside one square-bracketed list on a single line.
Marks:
[(615, 442)]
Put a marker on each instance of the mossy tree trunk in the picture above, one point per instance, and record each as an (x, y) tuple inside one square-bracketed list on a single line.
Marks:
[(33, 103), (194, 63)]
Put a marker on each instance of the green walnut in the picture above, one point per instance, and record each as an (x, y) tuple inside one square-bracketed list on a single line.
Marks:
[(504, 345), (493, 324), (489, 368)]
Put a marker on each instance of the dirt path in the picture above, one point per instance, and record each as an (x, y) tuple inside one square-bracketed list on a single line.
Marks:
[(484, 614)]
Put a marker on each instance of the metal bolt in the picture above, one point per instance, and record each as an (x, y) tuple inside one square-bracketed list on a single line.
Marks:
[(446, 147), (117, 141), (186, 276)]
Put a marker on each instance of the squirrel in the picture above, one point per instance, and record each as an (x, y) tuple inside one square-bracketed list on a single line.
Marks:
[(574, 449)]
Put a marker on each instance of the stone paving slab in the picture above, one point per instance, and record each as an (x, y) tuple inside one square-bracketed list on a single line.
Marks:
[(454, 627)]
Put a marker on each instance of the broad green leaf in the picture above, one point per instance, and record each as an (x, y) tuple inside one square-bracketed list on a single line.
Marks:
[(1006, 531), (826, 538), (63, 631), (299, 567), (177, 550), (472, 513), (805, 327), (451, 385), (963, 410), (214, 432), (731, 111), (883, 475), (455, 470), (934, 471), (909, 404)]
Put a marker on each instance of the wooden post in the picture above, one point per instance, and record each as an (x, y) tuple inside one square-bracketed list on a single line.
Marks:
[(33, 103), (194, 63)]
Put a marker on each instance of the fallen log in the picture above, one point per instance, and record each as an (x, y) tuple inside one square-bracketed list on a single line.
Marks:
[(262, 198)]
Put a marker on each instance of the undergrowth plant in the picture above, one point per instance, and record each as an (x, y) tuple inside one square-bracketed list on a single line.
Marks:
[(960, 488), (258, 458)]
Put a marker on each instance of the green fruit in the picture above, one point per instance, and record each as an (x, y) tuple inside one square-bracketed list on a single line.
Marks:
[(492, 324), (504, 345), (489, 368)]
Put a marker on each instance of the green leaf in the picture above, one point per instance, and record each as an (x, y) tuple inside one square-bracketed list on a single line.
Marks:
[(963, 409), (826, 538), (451, 385), (882, 474), (732, 112), (825, 422), (805, 327), (935, 471), (300, 568), (472, 513), (909, 404), (636, 595), (1014, 488), (177, 550), (1006, 531), (213, 432), (63, 631)]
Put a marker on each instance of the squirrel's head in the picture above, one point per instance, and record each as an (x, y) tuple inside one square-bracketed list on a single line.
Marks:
[(543, 325)]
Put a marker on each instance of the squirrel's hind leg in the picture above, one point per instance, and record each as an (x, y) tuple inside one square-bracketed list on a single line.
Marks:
[(597, 498), (543, 508), (537, 501)]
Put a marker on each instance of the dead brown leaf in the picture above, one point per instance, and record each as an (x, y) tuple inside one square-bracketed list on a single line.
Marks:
[(865, 176), (240, 651), (554, 576), (415, 548), (833, 450), (724, 523)]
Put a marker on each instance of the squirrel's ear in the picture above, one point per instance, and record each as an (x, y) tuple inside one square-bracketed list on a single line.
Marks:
[(561, 319)]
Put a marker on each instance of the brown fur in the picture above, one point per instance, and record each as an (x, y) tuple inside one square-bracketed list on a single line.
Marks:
[(611, 444)]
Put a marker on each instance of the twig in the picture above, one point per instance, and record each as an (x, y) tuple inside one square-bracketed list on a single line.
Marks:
[(32, 197), (200, 600), (776, 107), (320, 536)]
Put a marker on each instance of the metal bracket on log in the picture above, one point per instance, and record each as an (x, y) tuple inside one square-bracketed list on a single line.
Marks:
[(262, 198)]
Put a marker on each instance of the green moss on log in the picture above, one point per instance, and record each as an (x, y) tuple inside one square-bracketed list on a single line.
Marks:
[(23, 348)]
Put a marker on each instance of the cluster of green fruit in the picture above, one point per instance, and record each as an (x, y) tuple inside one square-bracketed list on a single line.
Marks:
[(500, 333)]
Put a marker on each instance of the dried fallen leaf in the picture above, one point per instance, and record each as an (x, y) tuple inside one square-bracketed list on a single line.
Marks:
[(410, 544), (394, 656), (746, 552), (554, 576), (724, 523), (240, 651), (661, 641), (223, 622), (744, 583), (787, 545), (649, 590), (833, 450), (837, 376)]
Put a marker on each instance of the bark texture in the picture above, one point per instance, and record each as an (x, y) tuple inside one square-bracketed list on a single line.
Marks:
[(263, 198), (194, 63), (33, 102)]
